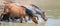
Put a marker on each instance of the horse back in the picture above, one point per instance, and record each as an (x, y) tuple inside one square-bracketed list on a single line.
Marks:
[(17, 11)]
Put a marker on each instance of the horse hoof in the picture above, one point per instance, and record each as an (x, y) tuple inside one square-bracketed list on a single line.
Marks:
[(36, 22), (20, 22), (45, 19), (0, 23), (25, 20)]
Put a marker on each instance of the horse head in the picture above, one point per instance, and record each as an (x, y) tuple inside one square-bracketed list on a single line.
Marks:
[(40, 12)]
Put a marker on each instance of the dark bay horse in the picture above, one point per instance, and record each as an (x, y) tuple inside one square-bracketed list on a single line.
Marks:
[(17, 11)]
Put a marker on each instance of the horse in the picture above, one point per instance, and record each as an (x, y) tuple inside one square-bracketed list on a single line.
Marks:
[(31, 7), (17, 11), (40, 12), (35, 10)]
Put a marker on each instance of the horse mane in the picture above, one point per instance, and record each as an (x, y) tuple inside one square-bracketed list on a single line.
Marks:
[(35, 6), (29, 12), (24, 7)]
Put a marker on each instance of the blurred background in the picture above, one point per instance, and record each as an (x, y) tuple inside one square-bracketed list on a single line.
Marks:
[(51, 7)]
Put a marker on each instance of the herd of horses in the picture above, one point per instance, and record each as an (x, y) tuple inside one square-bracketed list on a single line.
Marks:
[(21, 10)]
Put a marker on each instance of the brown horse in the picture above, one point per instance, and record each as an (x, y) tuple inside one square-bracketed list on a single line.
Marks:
[(17, 11)]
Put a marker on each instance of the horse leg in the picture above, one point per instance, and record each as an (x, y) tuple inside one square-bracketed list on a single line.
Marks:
[(5, 17), (12, 18), (34, 20), (8, 16), (1, 17), (29, 18), (25, 19), (21, 19), (37, 17)]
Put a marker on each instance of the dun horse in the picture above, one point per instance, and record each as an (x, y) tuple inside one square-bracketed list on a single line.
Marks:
[(17, 11)]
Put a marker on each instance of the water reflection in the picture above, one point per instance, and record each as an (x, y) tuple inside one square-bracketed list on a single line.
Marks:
[(53, 22), (29, 23), (22, 24)]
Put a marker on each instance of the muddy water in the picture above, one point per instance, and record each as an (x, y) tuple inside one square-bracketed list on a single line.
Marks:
[(50, 22)]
